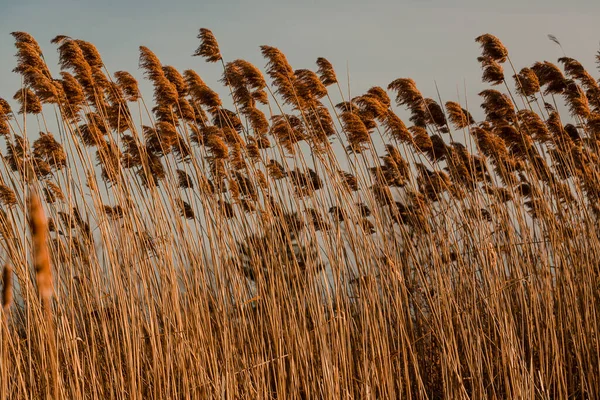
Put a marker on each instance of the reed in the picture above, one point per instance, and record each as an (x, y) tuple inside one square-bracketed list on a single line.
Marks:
[(272, 238)]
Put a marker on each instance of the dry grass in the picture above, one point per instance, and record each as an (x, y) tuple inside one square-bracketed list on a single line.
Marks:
[(298, 244)]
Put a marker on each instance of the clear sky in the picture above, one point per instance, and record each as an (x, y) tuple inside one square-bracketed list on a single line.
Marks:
[(379, 40)]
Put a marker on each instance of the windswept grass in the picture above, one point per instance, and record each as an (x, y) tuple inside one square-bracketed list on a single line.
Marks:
[(290, 242)]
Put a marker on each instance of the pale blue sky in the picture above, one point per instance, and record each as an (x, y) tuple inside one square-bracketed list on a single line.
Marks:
[(381, 40)]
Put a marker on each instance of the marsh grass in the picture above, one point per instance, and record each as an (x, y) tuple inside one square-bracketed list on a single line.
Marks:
[(289, 242)]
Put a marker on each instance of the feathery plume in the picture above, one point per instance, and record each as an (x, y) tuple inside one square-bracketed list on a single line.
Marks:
[(358, 135), (28, 101), (7, 196), (128, 84), (527, 82), (492, 71), (209, 48), (459, 117), (492, 47), (326, 72)]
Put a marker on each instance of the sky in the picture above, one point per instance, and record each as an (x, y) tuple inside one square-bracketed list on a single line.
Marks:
[(431, 41)]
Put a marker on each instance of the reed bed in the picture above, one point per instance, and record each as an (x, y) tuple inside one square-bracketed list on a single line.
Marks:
[(287, 240)]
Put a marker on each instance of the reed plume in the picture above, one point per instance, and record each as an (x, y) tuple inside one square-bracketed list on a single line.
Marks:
[(492, 48), (209, 48), (326, 72), (128, 84)]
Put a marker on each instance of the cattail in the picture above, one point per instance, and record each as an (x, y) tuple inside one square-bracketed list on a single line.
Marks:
[(4, 127), (29, 58), (326, 72), (209, 48), (7, 288), (305, 183), (165, 92), (247, 205), (41, 257), (261, 179), (410, 96), (501, 194), (492, 47), (109, 157), (91, 134), (396, 169), (55, 190), (162, 139)]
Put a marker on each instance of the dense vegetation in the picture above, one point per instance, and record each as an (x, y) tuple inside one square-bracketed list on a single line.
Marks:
[(292, 241)]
